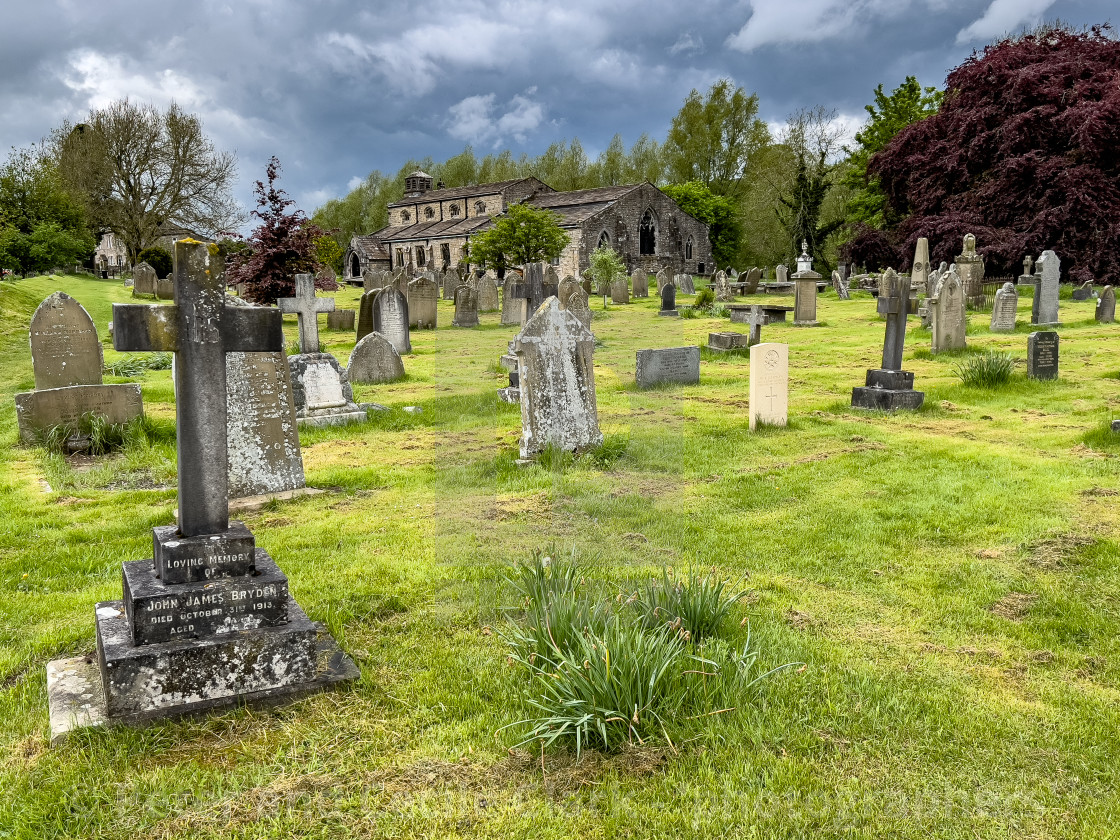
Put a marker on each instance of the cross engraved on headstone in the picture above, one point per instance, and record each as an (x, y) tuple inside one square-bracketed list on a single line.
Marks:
[(199, 329), (307, 307), (771, 395), (891, 304)]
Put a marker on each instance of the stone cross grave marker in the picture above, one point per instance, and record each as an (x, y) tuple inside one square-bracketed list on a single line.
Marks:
[(756, 318), (769, 385), (390, 318), (1042, 355), (537, 284), (1106, 306), (1005, 309), (890, 387), (65, 349), (556, 377), (306, 307)]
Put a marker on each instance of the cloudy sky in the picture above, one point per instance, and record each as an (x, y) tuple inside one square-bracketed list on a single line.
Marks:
[(336, 89)]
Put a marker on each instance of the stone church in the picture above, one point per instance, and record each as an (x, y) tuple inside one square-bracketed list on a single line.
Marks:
[(431, 228)]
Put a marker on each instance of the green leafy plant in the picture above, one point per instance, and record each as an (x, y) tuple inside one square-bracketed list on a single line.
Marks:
[(93, 434), (991, 369), (704, 298), (696, 603)]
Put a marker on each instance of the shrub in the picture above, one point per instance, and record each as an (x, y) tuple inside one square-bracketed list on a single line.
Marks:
[(696, 603), (704, 297), (986, 370), (158, 258)]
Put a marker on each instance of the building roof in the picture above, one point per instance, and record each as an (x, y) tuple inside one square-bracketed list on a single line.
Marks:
[(370, 247), (459, 192), (577, 206), (433, 229)]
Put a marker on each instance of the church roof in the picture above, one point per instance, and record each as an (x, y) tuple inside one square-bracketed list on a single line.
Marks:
[(460, 192), (370, 247), (577, 206), (433, 229)]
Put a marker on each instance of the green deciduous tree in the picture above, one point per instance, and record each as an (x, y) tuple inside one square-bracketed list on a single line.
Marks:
[(605, 266), (521, 235), (713, 138), (719, 213)]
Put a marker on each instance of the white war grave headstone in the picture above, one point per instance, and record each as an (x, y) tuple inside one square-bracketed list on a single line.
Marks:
[(769, 385)]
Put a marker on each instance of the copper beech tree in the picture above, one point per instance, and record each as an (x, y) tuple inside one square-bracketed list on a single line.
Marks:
[(1024, 152)]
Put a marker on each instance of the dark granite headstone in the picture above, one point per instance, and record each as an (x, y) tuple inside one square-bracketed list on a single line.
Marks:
[(668, 300), (1042, 355), (890, 387)]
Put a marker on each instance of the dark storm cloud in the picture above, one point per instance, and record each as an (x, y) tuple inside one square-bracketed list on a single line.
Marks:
[(336, 89)]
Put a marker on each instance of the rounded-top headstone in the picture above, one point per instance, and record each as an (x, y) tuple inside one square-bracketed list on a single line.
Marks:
[(374, 360), (64, 346)]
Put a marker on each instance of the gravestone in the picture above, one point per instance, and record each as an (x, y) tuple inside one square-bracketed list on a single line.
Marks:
[(948, 319), (756, 317), (1084, 291), (511, 305), (423, 303), (662, 277), (390, 318), (670, 364), (556, 378), (449, 283), (919, 271), (341, 319), (753, 278), (970, 269), (65, 349), (721, 342), (537, 284), (1042, 355), (781, 274), (466, 307), (805, 298), (1005, 308), (1044, 311), (306, 307), (374, 360), (165, 289), (769, 385), (619, 291), (586, 283), (143, 280), (639, 279), (1027, 278), (39, 411), (890, 387), (1106, 306), (365, 313), (372, 279), (321, 391), (668, 301), (261, 432), (723, 288), (573, 298), (208, 621), (488, 293), (686, 284)]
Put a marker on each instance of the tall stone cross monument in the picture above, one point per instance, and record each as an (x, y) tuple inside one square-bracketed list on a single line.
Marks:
[(891, 387), (307, 307), (208, 621)]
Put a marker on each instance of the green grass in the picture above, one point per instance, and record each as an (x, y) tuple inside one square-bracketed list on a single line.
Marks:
[(950, 579)]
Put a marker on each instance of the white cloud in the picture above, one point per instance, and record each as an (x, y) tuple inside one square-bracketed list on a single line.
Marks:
[(102, 79), (1002, 17), (353, 183), (475, 118), (809, 21), (686, 43)]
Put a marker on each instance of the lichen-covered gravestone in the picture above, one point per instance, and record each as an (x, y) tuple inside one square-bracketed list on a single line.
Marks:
[(1106, 306), (365, 314), (619, 292), (686, 284), (374, 361), (423, 303), (667, 365), (466, 307), (1044, 311), (143, 280), (341, 319), (948, 318), (639, 279), (65, 349), (511, 304), (488, 293), (390, 318), (321, 391), (208, 621), (723, 288), (306, 307), (769, 385), (556, 376), (1005, 309), (573, 298)]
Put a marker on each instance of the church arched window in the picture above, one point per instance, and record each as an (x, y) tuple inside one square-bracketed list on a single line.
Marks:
[(429, 213), (355, 266), (480, 207), (454, 211), (406, 216), (647, 234), (688, 248), (604, 240), (445, 252)]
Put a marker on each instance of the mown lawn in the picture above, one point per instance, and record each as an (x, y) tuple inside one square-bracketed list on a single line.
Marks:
[(949, 578)]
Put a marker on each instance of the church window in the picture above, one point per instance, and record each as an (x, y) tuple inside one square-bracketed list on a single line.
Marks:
[(400, 257), (420, 255), (429, 213), (445, 252), (405, 216), (480, 207), (454, 210), (688, 248), (604, 240), (647, 234)]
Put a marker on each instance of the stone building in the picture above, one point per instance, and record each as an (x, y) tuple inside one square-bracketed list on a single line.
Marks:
[(111, 253), (431, 228)]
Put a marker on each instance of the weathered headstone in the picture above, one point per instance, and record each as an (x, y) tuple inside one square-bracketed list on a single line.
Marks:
[(39, 411), (805, 298), (1005, 309), (365, 313), (662, 277), (1084, 291), (556, 377), (949, 320), (668, 301), (488, 293), (573, 298), (307, 308), (341, 319), (781, 274), (321, 391), (449, 283), (390, 318), (538, 283), (261, 432), (619, 291), (686, 284), (512, 305), (723, 288), (1042, 355), (891, 387), (1106, 306), (372, 280), (65, 349), (670, 364), (143, 280), (769, 385), (753, 278), (919, 271), (723, 341), (209, 620), (373, 361), (466, 307), (970, 269), (1027, 278), (1044, 312), (639, 279), (165, 288), (423, 303)]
